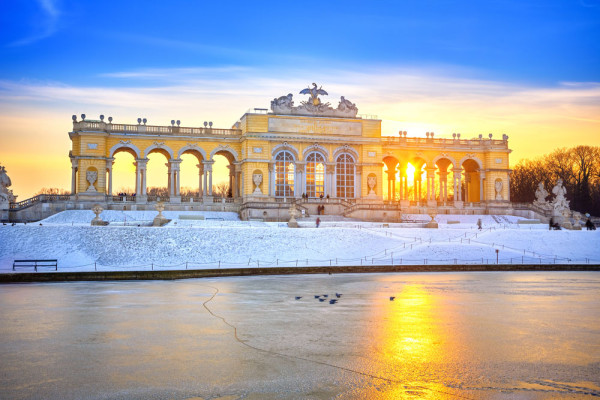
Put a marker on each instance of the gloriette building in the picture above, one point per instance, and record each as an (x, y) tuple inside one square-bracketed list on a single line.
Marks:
[(298, 152)]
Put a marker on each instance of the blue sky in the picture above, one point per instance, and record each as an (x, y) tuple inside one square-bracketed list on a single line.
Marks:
[(78, 42), (529, 69)]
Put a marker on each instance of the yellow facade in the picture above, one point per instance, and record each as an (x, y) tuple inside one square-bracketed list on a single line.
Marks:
[(274, 156)]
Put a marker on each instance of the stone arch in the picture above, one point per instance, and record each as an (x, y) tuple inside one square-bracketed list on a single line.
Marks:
[(315, 148), (345, 149), (161, 148), (195, 150), (285, 146), (472, 184), (468, 157), (446, 156), (228, 151), (391, 163), (125, 146)]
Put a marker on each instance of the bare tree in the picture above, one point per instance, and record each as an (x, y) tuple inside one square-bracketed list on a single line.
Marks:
[(221, 190), (578, 167), (55, 191)]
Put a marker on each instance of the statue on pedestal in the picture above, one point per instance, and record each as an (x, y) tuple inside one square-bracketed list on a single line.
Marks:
[(292, 223), (540, 197), (97, 209), (560, 201), (6, 195), (160, 219)]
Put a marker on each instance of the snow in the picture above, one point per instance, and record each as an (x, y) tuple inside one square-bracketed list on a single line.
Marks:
[(222, 240)]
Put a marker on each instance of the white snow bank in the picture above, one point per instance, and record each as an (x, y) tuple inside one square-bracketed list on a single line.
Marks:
[(69, 238), (86, 216)]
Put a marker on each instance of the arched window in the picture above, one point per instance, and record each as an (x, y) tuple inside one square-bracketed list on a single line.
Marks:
[(344, 175), (284, 174), (315, 175)]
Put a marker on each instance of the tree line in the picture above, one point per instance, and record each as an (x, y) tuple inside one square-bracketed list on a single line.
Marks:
[(578, 167)]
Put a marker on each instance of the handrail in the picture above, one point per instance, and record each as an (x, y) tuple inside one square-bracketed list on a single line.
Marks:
[(40, 198)]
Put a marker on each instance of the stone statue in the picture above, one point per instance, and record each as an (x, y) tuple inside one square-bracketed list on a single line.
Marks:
[(314, 105), (560, 202), (346, 105), (282, 104), (540, 197), (292, 223), (91, 176), (6, 195), (257, 179), (498, 187), (314, 94)]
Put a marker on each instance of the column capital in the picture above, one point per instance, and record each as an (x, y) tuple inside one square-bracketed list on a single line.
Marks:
[(141, 162)]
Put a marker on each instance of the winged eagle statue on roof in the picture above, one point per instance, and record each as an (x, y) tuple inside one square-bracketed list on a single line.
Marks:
[(284, 105), (314, 94)]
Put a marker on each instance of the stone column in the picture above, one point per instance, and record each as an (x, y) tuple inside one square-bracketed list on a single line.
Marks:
[(169, 179), (73, 176), (443, 182), (207, 177), (200, 177), (237, 178), (138, 178), (329, 184), (272, 176), (481, 178), (140, 186), (457, 183), (358, 182), (508, 185), (299, 179), (401, 189), (109, 164), (174, 168), (231, 169), (210, 184)]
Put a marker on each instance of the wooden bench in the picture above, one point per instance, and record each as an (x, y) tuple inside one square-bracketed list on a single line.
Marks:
[(35, 264)]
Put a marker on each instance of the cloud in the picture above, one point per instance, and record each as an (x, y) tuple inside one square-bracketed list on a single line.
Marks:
[(45, 27), (413, 99)]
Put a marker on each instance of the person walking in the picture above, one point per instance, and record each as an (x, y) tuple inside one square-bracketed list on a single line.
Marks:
[(479, 224), (318, 221)]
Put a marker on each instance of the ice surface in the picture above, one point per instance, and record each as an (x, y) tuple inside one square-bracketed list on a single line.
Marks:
[(509, 335)]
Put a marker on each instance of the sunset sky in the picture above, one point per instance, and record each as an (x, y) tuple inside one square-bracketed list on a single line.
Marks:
[(528, 69)]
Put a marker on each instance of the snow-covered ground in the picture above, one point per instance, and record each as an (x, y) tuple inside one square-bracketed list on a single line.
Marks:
[(222, 240)]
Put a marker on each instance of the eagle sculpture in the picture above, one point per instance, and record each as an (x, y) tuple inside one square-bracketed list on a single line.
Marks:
[(314, 94)]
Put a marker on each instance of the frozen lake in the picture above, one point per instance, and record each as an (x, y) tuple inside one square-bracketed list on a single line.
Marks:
[(460, 335)]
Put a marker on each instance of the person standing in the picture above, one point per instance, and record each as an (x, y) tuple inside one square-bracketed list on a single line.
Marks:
[(318, 221)]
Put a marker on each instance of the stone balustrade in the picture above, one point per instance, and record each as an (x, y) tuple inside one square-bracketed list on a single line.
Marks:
[(436, 142), (141, 129)]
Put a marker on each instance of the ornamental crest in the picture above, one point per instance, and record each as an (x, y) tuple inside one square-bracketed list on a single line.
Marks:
[(314, 105)]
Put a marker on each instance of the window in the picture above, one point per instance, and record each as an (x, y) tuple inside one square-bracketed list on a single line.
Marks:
[(344, 173), (315, 175), (284, 174)]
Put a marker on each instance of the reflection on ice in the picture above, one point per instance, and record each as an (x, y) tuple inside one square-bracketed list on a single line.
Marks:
[(462, 335)]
